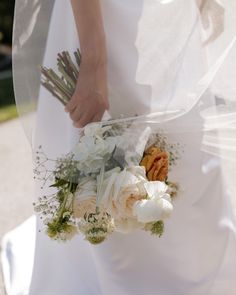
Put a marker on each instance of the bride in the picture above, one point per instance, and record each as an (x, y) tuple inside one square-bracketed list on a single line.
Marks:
[(139, 57)]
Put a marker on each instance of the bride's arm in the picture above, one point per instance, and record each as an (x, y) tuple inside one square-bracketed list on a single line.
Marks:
[(88, 18), (90, 98)]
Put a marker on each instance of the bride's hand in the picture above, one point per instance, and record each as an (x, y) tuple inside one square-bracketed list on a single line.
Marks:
[(90, 100)]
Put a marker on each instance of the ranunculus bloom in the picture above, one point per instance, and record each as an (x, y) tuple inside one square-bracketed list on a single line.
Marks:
[(156, 163)]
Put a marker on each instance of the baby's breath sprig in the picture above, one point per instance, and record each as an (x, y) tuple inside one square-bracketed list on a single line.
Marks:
[(63, 170), (42, 172), (56, 210), (173, 188), (66, 172), (63, 225), (57, 214), (161, 141)]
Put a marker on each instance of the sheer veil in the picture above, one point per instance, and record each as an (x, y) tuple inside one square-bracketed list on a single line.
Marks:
[(186, 32)]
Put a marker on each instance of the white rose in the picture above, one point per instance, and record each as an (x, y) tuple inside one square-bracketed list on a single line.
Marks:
[(157, 207), (122, 190)]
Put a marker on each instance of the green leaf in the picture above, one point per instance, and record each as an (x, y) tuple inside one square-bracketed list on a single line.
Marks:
[(59, 183)]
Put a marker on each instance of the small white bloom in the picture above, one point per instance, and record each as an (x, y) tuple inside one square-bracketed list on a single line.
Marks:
[(157, 207)]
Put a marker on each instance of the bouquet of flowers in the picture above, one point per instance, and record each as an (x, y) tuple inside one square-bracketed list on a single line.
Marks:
[(114, 179)]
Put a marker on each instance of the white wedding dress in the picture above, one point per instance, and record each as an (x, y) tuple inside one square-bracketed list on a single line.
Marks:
[(196, 254)]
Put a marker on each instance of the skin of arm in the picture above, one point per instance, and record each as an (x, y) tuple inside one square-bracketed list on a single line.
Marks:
[(90, 100)]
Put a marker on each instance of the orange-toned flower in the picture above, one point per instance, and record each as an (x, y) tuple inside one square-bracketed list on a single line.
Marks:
[(156, 163)]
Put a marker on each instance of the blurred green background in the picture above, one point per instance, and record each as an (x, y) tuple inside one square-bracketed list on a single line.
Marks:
[(7, 101)]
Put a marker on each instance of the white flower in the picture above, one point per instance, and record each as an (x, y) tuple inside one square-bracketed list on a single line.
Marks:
[(93, 150), (122, 189), (86, 188), (157, 207)]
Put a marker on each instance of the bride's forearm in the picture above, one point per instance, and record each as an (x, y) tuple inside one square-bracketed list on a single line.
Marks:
[(89, 22)]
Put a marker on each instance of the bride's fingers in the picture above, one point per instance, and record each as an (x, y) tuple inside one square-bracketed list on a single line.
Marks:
[(84, 120), (71, 105), (76, 114), (98, 117)]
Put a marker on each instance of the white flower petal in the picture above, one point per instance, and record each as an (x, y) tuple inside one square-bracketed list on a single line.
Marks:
[(147, 211), (167, 208), (86, 189), (152, 210), (155, 188)]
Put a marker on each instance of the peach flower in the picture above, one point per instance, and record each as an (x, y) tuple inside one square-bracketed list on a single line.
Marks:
[(85, 198), (156, 163), (80, 207)]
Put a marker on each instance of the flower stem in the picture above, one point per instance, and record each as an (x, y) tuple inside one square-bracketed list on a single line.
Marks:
[(100, 179)]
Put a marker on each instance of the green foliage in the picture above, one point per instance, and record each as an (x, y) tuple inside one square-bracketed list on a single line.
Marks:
[(6, 20), (7, 101), (7, 107), (7, 113), (6, 91), (155, 228), (158, 228), (59, 183)]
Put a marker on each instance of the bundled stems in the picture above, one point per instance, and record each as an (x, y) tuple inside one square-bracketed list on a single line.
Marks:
[(62, 87)]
